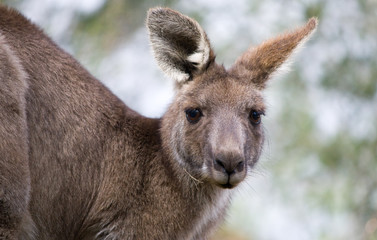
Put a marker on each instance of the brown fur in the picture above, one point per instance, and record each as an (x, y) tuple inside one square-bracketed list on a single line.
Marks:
[(259, 63), (76, 163)]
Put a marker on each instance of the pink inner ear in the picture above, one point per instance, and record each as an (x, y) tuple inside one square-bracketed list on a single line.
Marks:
[(257, 64)]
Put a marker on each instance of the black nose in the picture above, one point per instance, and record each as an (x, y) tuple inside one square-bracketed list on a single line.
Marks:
[(229, 165)]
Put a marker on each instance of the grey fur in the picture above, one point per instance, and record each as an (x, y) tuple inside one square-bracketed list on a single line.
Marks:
[(76, 163)]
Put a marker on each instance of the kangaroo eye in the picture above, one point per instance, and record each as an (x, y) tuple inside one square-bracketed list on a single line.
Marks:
[(255, 117), (193, 115)]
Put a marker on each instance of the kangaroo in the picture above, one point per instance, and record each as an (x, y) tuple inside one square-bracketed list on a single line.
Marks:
[(77, 163)]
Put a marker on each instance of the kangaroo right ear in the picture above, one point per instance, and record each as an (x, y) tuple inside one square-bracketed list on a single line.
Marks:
[(179, 44), (257, 64)]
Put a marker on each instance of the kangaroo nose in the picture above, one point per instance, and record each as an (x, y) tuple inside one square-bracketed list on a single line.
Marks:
[(229, 166), (228, 170)]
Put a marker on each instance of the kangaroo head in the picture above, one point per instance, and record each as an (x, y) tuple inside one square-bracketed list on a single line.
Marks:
[(213, 129)]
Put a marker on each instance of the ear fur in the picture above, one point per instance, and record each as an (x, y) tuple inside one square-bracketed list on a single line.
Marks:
[(259, 63), (179, 44)]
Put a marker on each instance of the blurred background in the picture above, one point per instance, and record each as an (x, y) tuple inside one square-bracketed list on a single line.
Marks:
[(317, 178)]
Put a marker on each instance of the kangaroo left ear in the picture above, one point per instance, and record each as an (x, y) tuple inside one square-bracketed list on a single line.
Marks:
[(257, 64), (179, 44)]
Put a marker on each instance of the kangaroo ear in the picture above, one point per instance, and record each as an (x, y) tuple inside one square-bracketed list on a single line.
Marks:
[(179, 44), (259, 63)]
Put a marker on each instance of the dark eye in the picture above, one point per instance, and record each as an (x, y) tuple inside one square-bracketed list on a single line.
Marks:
[(255, 117), (193, 115)]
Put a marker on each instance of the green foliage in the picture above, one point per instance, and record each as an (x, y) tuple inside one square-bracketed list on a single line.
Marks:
[(361, 81)]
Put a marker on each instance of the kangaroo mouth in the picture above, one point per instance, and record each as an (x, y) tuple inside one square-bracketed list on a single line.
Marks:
[(226, 180), (227, 185)]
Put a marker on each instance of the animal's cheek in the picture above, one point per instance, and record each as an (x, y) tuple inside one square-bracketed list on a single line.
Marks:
[(191, 148), (253, 145)]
